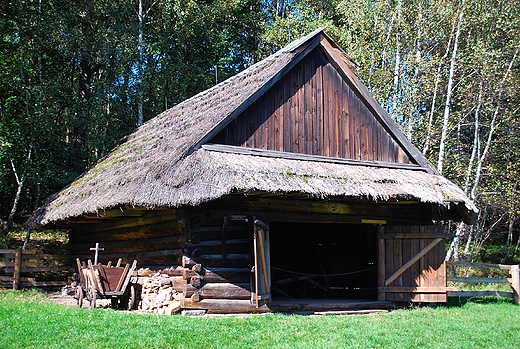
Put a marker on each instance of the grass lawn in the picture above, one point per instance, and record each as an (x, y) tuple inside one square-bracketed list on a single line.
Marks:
[(29, 320)]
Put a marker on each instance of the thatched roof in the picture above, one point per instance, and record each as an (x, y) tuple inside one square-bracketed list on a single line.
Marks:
[(158, 165)]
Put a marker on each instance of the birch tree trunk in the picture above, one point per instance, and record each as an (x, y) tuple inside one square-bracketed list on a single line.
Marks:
[(395, 94), (461, 228), (38, 194), (435, 89), (453, 251), (454, 245), (415, 83), (444, 133), (517, 245), (492, 129), (508, 246), (140, 67), (20, 180), (476, 140)]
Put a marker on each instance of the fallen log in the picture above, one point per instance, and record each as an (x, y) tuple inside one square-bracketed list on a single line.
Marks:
[(223, 306), (212, 274)]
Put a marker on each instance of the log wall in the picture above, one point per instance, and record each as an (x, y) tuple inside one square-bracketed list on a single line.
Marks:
[(312, 110), (154, 238), (217, 260)]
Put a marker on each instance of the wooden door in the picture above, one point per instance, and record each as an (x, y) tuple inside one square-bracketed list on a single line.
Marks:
[(262, 274), (411, 264)]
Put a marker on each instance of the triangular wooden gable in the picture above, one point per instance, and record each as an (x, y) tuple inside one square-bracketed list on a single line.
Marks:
[(317, 106), (313, 110)]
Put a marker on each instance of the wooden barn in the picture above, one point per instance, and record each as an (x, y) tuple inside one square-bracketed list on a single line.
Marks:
[(286, 187)]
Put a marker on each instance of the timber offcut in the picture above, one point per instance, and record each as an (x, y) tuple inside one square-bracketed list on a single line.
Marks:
[(284, 188)]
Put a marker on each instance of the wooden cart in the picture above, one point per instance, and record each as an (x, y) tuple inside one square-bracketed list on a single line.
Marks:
[(105, 282)]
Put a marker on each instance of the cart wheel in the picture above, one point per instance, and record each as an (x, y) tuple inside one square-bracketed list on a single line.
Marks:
[(78, 294), (131, 298), (92, 297)]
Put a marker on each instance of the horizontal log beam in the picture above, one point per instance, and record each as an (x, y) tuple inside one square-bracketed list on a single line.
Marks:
[(64, 268), (150, 270), (304, 305), (316, 217), (479, 265), (218, 291), (41, 256), (415, 236), (137, 245), (307, 157), (43, 283), (351, 312), (310, 217), (398, 289), (220, 274), (116, 212), (161, 229), (215, 232), (480, 294), (223, 306), (233, 246), (164, 257), (24, 264), (366, 210), (8, 250), (149, 218), (479, 280), (13, 251), (217, 260)]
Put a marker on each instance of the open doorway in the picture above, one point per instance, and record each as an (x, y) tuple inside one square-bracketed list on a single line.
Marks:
[(318, 260)]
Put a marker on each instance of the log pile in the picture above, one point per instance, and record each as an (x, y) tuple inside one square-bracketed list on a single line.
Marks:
[(161, 293)]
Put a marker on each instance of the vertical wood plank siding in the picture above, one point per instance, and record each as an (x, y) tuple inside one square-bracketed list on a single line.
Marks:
[(428, 272), (312, 110)]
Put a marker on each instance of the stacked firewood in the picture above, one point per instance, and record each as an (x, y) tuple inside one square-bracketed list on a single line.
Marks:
[(160, 293)]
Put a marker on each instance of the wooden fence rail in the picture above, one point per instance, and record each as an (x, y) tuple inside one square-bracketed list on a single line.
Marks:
[(28, 261), (513, 281)]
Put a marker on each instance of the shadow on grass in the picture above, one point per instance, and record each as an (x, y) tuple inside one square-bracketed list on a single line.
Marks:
[(461, 301)]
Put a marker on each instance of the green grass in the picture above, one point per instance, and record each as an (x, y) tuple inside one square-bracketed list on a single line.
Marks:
[(28, 320)]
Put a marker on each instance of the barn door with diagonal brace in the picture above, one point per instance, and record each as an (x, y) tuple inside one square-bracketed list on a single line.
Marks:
[(411, 263), (262, 272)]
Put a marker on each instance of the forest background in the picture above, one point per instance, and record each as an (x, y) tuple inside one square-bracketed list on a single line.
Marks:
[(78, 75)]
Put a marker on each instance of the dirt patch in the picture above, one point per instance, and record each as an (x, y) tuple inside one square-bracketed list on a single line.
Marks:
[(69, 300), (61, 298)]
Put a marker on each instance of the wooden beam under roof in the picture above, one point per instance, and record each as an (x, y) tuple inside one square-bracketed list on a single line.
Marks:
[(307, 157), (288, 209)]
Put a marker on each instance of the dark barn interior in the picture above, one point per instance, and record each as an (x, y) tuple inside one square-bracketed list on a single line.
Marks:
[(311, 260)]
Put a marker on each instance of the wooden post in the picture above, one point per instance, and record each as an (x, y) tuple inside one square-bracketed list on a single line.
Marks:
[(17, 269), (381, 270), (515, 283)]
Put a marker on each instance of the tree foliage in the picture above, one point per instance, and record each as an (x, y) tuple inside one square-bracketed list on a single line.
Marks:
[(70, 81)]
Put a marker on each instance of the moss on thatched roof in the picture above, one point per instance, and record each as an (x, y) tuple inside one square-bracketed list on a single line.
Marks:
[(158, 166)]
